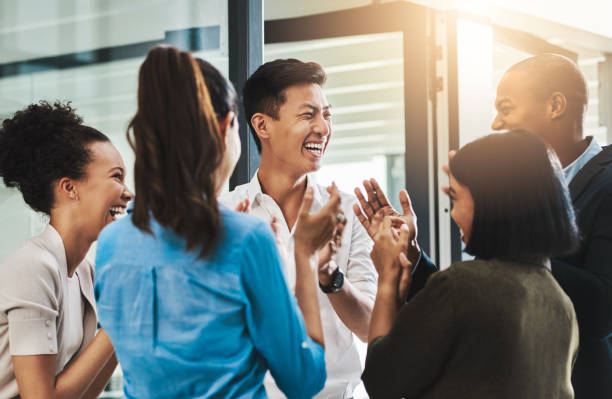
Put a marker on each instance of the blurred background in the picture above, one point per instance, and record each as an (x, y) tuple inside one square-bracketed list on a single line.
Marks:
[(408, 80)]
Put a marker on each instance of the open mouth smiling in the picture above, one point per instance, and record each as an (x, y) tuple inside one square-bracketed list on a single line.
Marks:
[(117, 210), (315, 148)]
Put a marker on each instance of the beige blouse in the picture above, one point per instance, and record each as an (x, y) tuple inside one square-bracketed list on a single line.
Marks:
[(35, 310)]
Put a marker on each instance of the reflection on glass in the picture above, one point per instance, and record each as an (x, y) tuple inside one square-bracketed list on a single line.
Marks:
[(89, 53)]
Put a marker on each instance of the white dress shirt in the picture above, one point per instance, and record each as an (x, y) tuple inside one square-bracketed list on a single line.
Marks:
[(353, 258)]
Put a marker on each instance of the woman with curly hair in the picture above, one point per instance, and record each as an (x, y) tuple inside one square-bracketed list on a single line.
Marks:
[(72, 173)]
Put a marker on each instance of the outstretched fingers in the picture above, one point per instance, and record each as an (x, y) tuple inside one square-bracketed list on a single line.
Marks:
[(365, 205), (372, 197), (405, 202), (379, 194)]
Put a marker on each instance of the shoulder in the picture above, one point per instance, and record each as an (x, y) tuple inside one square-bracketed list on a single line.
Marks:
[(31, 263), (232, 198), (32, 254), (240, 228)]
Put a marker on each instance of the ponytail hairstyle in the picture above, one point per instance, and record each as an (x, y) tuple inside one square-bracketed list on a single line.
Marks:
[(178, 146)]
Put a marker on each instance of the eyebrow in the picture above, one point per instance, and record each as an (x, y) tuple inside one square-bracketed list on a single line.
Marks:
[(502, 100), (315, 108), (116, 167)]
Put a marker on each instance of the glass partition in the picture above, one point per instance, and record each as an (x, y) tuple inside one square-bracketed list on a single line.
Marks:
[(89, 52)]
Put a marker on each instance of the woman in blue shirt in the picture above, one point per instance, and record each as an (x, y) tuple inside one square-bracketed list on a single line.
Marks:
[(191, 293)]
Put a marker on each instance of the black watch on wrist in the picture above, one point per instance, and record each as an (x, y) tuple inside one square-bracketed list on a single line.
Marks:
[(336, 282)]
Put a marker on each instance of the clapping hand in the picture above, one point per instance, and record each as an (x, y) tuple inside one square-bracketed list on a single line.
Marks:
[(389, 257), (314, 231), (378, 204)]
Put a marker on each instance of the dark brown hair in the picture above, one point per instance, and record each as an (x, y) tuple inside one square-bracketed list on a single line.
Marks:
[(175, 136), (264, 90), (522, 207)]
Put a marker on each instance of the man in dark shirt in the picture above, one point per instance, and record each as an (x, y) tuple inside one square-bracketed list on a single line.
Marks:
[(547, 95)]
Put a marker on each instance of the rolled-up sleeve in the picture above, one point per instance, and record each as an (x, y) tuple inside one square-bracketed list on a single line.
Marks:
[(275, 323), (29, 287)]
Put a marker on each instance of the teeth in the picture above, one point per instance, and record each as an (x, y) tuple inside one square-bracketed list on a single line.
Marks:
[(117, 210), (313, 146)]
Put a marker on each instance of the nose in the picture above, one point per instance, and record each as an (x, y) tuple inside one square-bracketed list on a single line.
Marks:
[(497, 123), (323, 126), (127, 194)]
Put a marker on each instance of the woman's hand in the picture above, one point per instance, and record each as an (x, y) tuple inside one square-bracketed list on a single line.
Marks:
[(390, 256), (314, 231), (378, 204)]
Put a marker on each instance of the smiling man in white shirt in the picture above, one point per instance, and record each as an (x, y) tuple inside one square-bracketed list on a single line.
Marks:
[(290, 119)]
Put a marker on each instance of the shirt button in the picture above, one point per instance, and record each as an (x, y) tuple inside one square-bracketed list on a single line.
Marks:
[(47, 323), (50, 348), (49, 335), (304, 344)]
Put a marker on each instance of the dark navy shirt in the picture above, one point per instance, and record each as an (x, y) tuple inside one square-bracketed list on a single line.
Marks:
[(183, 327)]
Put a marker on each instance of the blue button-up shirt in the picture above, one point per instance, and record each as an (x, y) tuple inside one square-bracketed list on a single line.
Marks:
[(183, 327), (572, 169)]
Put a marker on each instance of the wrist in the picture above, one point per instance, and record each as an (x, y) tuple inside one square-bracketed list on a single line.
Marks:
[(386, 291), (332, 282), (326, 272), (303, 250), (414, 253), (389, 278)]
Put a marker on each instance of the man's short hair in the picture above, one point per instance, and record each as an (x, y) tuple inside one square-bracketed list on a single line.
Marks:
[(522, 207), (548, 73), (264, 91)]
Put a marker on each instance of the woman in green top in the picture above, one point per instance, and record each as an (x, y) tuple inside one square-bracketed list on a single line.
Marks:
[(498, 326)]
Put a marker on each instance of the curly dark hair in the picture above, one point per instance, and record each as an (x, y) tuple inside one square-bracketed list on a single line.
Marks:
[(41, 144)]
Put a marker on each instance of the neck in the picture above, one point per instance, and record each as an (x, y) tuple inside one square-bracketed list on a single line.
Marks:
[(76, 243), (286, 189), (569, 146)]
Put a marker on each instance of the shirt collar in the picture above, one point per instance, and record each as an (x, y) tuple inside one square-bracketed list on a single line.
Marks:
[(52, 240), (591, 151), (254, 192)]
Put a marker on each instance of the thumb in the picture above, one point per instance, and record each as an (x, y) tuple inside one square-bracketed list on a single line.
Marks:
[(406, 203), (306, 202)]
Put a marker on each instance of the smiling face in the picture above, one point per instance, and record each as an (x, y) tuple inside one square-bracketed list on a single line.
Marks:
[(102, 193), (298, 138), (518, 106), (463, 208)]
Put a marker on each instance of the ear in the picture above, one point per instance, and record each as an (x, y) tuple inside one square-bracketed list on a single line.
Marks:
[(226, 124), (67, 188), (557, 105), (260, 123)]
